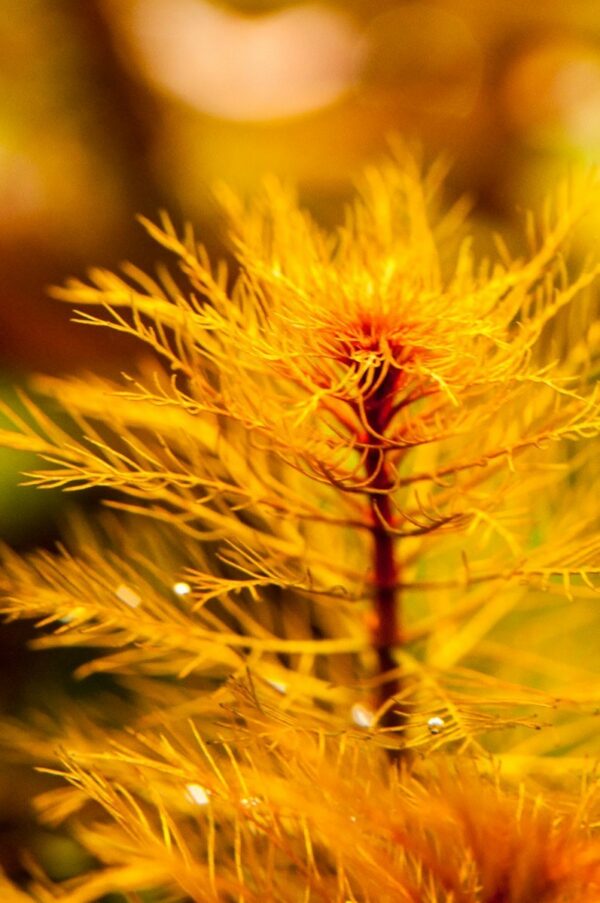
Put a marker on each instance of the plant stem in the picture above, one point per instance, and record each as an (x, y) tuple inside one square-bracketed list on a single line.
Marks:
[(386, 630), (386, 633)]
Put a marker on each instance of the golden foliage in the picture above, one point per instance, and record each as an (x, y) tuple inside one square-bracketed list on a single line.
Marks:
[(350, 517)]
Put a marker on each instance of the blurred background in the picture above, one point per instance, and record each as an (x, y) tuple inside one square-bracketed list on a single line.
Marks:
[(109, 108)]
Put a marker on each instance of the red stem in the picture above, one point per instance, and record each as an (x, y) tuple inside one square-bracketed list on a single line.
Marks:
[(386, 631)]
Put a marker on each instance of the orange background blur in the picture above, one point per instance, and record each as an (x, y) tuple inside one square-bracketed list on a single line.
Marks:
[(112, 108)]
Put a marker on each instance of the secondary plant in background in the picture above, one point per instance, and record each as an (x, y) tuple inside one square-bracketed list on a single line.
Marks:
[(352, 521)]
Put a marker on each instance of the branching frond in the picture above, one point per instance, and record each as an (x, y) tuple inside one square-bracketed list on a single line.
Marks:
[(300, 815)]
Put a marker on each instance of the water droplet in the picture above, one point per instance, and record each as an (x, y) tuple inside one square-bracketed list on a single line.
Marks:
[(72, 615), (197, 794), (361, 715), (436, 725), (278, 685), (181, 588), (128, 596), (250, 801)]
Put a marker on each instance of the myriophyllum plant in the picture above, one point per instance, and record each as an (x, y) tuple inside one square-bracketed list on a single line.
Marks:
[(351, 515)]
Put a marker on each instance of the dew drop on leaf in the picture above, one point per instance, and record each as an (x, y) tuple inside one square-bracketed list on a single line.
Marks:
[(361, 715), (278, 685), (435, 725), (128, 596), (197, 794)]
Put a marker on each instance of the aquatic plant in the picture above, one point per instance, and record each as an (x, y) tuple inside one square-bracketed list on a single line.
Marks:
[(348, 578)]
